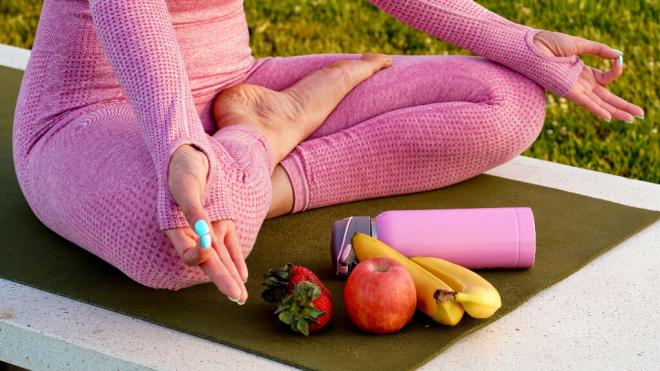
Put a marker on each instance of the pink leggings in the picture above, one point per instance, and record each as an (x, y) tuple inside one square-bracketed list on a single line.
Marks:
[(426, 122)]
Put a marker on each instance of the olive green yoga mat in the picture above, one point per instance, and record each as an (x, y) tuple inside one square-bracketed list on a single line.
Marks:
[(571, 230)]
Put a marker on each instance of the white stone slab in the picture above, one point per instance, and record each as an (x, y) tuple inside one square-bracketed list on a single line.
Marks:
[(605, 316), (11, 56)]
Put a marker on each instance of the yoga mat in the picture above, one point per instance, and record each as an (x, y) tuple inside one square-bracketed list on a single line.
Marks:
[(571, 231)]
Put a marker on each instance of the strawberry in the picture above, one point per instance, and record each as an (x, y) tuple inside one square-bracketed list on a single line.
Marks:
[(303, 301)]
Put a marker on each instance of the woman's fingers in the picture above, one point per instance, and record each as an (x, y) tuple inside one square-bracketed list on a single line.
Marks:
[(181, 241), (217, 271), (619, 109), (211, 247), (618, 102), (599, 49), (580, 97), (615, 113), (198, 220), (221, 250), (187, 246), (605, 78), (590, 91), (208, 254), (236, 252)]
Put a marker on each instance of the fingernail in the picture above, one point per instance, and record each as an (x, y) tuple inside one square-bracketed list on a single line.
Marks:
[(245, 280), (641, 117), (630, 122), (608, 120), (202, 230), (242, 302), (234, 300), (620, 56), (206, 241)]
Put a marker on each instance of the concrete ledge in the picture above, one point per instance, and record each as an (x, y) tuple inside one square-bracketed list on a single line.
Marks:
[(11, 56), (605, 316)]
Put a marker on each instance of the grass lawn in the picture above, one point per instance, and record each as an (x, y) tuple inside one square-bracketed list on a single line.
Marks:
[(572, 135)]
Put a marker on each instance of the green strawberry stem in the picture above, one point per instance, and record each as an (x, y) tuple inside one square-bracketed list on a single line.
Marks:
[(297, 309)]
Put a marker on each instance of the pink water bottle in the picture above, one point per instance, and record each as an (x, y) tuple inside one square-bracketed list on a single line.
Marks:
[(474, 238)]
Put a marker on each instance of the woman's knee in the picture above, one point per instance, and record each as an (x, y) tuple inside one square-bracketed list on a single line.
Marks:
[(133, 242), (155, 264), (518, 105), (509, 106)]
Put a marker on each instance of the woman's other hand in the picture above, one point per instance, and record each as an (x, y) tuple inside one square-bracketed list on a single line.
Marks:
[(589, 91), (223, 262)]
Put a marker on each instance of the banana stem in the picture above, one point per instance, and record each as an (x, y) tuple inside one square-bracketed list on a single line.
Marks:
[(442, 296)]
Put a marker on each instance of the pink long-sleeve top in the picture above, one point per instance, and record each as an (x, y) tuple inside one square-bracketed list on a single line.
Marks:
[(158, 55)]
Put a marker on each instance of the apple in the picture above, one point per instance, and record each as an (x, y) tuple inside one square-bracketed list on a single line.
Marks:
[(380, 295)]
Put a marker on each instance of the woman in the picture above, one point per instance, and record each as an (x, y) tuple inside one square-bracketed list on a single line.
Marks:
[(138, 119)]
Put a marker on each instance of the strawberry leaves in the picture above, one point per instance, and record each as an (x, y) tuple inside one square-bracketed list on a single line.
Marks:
[(302, 300), (277, 282), (297, 309)]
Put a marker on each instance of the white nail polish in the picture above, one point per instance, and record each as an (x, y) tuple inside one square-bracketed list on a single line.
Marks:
[(234, 300)]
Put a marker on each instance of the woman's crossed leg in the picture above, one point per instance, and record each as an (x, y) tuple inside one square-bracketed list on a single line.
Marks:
[(422, 123)]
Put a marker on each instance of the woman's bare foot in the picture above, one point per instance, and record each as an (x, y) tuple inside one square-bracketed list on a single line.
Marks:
[(289, 116)]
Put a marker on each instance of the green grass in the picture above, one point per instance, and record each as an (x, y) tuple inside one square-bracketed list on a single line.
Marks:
[(572, 135)]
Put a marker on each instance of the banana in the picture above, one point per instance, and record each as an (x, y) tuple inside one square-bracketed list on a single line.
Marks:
[(434, 297), (479, 298)]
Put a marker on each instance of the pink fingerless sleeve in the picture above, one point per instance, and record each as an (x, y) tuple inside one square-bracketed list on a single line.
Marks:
[(138, 39), (475, 28)]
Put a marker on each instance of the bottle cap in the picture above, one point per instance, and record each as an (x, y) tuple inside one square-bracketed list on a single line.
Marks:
[(341, 252), (526, 237)]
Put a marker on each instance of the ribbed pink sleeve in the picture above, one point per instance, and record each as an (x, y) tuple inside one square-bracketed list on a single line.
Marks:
[(471, 26), (138, 39)]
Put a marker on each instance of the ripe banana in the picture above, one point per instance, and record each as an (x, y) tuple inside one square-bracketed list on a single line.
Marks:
[(479, 298), (434, 297)]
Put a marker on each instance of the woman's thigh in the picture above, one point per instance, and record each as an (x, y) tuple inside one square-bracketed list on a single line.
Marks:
[(94, 183), (412, 80)]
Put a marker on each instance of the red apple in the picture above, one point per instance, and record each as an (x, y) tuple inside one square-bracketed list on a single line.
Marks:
[(380, 295)]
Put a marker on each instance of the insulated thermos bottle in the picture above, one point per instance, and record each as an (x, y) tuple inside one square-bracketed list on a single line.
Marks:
[(474, 238)]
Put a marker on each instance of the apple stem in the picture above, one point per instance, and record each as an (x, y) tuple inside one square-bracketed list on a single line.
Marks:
[(442, 296)]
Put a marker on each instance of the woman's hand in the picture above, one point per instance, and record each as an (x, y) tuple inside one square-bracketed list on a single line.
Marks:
[(590, 91), (223, 262)]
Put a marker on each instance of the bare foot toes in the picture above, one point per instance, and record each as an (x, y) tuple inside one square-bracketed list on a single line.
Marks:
[(378, 60)]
